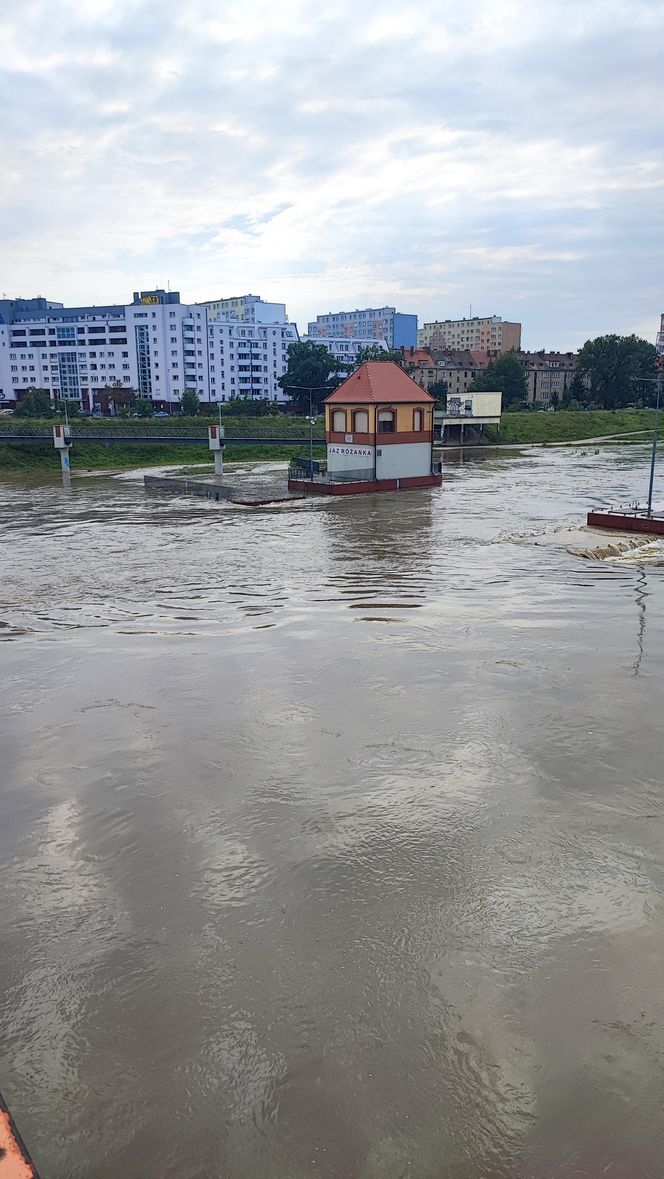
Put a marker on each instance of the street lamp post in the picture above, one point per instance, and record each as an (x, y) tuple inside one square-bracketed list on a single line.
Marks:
[(312, 417)]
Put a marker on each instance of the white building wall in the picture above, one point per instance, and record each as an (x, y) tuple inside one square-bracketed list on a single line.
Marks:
[(158, 349), (399, 460), (68, 356), (350, 462), (247, 309), (345, 348), (7, 393), (486, 404), (247, 360)]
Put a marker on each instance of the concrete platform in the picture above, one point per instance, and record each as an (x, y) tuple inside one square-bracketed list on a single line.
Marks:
[(367, 487), (252, 493)]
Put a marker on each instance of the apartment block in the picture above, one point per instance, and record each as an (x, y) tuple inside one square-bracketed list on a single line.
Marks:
[(247, 309), (489, 334), (346, 348), (548, 374), (154, 345), (371, 324)]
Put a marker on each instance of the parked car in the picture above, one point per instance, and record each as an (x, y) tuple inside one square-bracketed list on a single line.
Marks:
[(161, 414)]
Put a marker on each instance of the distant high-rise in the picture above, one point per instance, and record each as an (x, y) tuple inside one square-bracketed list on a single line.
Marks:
[(373, 323), (491, 333)]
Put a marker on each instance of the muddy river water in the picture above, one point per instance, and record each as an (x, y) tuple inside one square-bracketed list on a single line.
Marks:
[(332, 836)]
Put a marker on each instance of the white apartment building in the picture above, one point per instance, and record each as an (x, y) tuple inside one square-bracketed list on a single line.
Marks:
[(156, 346), (247, 359), (247, 309), (490, 334), (345, 347)]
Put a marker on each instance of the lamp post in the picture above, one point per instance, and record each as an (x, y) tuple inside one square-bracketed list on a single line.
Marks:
[(310, 389)]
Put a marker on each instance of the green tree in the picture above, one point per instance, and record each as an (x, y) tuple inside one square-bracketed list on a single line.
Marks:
[(613, 365), (311, 366), (73, 408), (251, 407), (439, 390), (506, 374), (190, 403), (576, 391), (375, 352), (36, 404), (143, 407), (122, 396)]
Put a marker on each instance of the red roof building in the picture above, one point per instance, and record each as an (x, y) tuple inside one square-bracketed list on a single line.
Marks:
[(377, 382)]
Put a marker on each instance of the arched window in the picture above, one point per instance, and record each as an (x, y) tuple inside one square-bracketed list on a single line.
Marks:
[(386, 421), (361, 421), (339, 421), (418, 419)]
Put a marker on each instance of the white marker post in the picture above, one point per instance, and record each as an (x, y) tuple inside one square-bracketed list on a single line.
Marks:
[(62, 442), (216, 445)]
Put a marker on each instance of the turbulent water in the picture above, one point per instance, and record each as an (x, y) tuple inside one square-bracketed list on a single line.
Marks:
[(331, 835)]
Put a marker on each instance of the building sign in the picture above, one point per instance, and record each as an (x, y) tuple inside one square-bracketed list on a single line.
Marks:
[(364, 451), (150, 299)]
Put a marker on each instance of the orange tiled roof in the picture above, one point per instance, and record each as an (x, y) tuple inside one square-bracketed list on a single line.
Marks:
[(381, 382)]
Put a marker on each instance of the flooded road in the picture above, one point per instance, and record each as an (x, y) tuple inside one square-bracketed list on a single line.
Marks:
[(331, 836)]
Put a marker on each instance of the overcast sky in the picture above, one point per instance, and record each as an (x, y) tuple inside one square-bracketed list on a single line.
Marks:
[(504, 153)]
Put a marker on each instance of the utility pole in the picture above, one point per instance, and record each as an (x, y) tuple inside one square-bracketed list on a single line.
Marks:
[(654, 442), (657, 381)]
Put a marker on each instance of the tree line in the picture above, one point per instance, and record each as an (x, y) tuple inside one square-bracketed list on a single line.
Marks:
[(611, 372)]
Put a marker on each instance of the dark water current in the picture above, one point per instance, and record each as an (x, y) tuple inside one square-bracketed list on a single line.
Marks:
[(331, 837)]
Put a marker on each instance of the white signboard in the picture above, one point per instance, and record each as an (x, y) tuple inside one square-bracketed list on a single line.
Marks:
[(363, 451)]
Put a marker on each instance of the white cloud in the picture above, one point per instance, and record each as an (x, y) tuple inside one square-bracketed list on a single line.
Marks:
[(503, 153)]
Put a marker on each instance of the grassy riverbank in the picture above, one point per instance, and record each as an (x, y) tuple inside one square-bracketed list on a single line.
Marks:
[(564, 426), (516, 428), (92, 456)]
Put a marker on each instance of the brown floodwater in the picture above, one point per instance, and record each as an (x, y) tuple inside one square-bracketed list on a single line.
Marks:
[(331, 836)]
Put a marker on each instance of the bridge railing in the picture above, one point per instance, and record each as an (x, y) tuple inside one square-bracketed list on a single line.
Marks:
[(282, 427)]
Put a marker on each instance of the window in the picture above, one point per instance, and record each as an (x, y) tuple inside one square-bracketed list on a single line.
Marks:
[(339, 421), (361, 421), (418, 419), (173, 339), (386, 421)]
